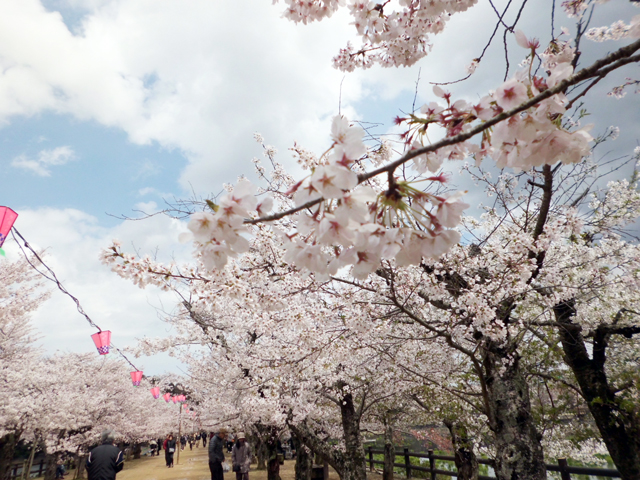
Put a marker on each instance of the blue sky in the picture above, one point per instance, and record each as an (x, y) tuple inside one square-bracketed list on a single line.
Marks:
[(111, 106), (107, 173)]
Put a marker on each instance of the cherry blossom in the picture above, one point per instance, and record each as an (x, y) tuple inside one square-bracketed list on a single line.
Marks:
[(365, 282)]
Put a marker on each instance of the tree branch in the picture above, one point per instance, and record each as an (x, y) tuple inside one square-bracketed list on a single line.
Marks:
[(601, 67)]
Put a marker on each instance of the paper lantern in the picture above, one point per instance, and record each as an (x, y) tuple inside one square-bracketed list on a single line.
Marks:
[(155, 391), (167, 397), (7, 218), (183, 398), (102, 340), (174, 399), (136, 378)]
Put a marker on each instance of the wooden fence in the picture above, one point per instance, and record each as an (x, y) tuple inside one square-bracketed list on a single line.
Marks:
[(565, 469), (16, 470)]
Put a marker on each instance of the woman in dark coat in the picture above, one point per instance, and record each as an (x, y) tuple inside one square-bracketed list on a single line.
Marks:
[(169, 449)]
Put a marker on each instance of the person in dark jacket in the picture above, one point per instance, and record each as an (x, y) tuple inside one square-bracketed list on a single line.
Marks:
[(205, 437), (160, 443), (106, 460), (169, 449), (216, 455)]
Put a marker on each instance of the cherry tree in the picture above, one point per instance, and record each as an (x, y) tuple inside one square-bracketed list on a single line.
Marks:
[(61, 403), (75, 397), (538, 254), (20, 294), (382, 225)]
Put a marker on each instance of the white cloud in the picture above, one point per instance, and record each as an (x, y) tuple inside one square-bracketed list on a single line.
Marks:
[(148, 207), (200, 76), (147, 191), (41, 165)]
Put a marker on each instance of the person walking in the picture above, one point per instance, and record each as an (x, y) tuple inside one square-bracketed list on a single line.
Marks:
[(183, 442), (106, 460), (160, 442), (169, 446), (216, 454), (153, 447), (204, 439), (241, 457)]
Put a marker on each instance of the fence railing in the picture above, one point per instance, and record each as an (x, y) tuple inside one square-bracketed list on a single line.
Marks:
[(16, 470), (562, 467)]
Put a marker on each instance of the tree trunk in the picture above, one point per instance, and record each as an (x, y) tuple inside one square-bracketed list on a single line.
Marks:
[(350, 464), (260, 452), (618, 424), (465, 458), (304, 461), (518, 449), (137, 450), (354, 462), (80, 466), (389, 450), (51, 461), (273, 464), (7, 447), (28, 464)]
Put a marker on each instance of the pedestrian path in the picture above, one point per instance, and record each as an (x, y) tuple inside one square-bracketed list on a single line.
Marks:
[(194, 465)]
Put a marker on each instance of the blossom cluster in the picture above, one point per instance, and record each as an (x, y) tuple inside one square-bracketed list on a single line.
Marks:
[(616, 31), (307, 11), (389, 39), (530, 139), (619, 91), (345, 222), (221, 233)]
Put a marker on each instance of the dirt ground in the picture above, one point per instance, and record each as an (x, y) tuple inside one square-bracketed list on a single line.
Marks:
[(194, 465)]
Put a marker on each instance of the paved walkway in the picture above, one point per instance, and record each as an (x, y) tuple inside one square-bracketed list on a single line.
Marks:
[(194, 465)]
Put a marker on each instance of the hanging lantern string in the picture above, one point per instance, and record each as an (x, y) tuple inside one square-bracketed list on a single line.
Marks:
[(53, 278), (125, 357), (51, 274)]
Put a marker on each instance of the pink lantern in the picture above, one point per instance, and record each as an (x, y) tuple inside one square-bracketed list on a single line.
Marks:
[(7, 218), (174, 399), (155, 391), (167, 397), (186, 407), (182, 398), (102, 339), (136, 377)]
